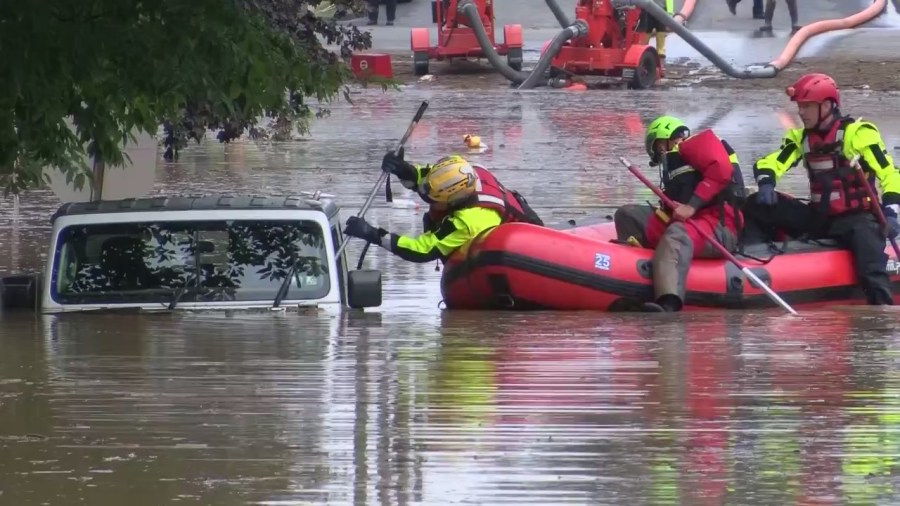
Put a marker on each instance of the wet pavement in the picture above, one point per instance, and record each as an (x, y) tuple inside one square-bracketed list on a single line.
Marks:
[(863, 57), (732, 36), (412, 404)]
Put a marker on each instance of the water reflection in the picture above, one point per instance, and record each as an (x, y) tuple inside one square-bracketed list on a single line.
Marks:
[(711, 408)]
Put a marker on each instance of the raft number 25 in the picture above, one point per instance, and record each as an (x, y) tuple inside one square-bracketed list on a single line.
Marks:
[(601, 261)]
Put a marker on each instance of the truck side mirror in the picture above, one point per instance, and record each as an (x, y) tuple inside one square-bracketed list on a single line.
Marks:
[(20, 291), (364, 288)]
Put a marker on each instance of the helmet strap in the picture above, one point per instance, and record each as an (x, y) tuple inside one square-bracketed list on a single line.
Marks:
[(657, 156), (833, 114), (663, 168)]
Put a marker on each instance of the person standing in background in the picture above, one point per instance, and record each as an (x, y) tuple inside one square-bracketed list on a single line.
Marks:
[(390, 10), (651, 26), (757, 8), (770, 13)]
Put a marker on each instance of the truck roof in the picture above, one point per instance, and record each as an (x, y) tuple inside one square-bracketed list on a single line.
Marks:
[(314, 201)]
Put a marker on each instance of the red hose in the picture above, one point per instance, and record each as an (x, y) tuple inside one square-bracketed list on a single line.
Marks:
[(819, 27)]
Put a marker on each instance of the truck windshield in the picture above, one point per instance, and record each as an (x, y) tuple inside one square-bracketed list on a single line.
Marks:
[(205, 261)]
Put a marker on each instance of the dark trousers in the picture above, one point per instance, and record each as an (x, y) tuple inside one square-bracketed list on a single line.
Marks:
[(390, 9), (859, 232), (676, 248), (792, 11), (758, 10)]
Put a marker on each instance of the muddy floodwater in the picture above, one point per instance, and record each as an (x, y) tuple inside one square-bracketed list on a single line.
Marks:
[(413, 404)]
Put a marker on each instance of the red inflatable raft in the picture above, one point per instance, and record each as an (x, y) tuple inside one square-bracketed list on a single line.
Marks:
[(526, 267)]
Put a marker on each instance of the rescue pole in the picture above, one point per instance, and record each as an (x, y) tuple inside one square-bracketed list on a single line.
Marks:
[(727, 254), (383, 179), (876, 205)]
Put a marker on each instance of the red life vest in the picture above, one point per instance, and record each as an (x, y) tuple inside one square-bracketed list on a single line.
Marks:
[(833, 182), (490, 194)]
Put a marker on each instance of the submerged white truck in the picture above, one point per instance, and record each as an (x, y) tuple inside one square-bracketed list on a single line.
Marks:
[(195, 253)]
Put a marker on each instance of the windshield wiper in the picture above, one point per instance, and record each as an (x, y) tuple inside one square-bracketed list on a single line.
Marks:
[(178, 294), (283, 289)]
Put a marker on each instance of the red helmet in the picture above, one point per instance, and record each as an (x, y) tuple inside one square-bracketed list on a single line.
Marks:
[(814, 88)]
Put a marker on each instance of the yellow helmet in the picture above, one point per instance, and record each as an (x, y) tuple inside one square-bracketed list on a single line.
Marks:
[(450, 181)]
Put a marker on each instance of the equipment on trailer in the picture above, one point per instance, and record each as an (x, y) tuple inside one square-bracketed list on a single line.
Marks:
[(615, 45), (456, 37), (604, 40)]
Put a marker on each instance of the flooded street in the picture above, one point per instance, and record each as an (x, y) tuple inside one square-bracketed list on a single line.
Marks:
[(412, 404)]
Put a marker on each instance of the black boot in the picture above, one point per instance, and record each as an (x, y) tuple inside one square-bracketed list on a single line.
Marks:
[(879, 296), (665, 304), (652, 307), (731, 6)]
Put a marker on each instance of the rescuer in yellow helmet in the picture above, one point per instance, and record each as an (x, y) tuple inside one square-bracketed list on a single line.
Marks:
[(464, 200)]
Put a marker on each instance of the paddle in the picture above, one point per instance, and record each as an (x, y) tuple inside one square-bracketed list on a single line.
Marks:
[(876, 206), (725, 253)]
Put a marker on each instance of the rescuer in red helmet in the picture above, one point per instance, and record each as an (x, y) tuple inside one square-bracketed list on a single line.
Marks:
[(700, 173), (839, 207)]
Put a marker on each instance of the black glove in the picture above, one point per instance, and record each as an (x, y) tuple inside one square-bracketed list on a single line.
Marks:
[(396, 165), (358, 227), (766, 195), (890, 216)]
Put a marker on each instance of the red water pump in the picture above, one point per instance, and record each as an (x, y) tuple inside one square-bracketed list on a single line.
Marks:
[(457, 39), (613, 46)]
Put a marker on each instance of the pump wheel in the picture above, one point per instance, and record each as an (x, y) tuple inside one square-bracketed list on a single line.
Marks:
[(514, 58), (645, 72), (420, 63)]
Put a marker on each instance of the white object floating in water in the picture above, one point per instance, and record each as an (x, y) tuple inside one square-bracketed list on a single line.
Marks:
[(404, 204)]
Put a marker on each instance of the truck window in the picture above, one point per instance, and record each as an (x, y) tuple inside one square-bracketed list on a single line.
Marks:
[(241, 260)]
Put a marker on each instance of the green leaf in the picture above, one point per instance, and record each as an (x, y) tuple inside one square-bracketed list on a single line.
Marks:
[(113, 66)]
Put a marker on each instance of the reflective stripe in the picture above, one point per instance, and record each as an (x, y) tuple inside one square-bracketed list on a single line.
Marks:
[(680, 170), (830, 173), (838, 138), (490, 199), (817, 197), (490, 194), (821, 163)]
